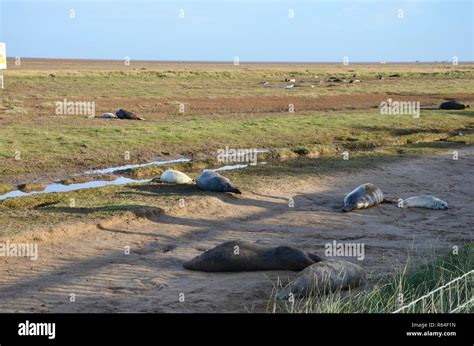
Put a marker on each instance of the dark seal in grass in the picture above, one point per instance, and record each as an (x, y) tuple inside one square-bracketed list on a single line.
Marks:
[(30, 187), (453, 105), (239, 256), (124, 114)]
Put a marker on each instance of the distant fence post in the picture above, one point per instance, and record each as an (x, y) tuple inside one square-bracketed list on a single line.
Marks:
[(3, 60)]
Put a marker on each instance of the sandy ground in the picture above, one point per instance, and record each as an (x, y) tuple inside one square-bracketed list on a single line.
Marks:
[(92, 264)]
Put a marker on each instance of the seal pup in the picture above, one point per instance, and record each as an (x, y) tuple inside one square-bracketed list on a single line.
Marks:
[(364, 196), (213, 181), (174, 177), (425, 201), (324, 277), (238, 256)]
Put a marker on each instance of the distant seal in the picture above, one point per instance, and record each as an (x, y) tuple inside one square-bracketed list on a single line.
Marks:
[(173, 176), (30, 187), (107, 116), (324, 277), (213, 181), (364, 196), (453, 104), (124, 114), (238, 256), (425, 201), (334, 79)]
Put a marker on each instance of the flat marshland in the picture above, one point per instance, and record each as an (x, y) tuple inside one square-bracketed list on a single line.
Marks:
[(191, 110)]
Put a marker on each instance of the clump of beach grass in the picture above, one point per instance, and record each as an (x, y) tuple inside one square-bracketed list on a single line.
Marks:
[(427, 284)]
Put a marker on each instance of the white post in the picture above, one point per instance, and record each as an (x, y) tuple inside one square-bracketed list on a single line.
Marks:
[(3, 60)]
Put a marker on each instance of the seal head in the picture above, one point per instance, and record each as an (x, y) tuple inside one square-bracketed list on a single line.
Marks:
[(364, 196)]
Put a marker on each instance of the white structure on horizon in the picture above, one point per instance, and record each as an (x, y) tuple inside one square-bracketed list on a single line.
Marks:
[(3, 59)]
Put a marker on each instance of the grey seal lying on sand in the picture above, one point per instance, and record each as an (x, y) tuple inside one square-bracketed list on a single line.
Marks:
[(425, 201), (363, 196), (238, 256), (213, 181), (324, 277)]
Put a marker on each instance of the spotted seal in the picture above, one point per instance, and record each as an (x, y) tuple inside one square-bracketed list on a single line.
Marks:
[(364, 196), (324, 277)]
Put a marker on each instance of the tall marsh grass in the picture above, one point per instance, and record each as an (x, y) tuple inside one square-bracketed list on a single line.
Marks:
[(445, 282)]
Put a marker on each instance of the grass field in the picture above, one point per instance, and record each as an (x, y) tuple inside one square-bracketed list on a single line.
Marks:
[(225, 105), (243, 106)]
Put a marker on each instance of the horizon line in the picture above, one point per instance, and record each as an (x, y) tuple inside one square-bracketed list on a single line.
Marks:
[(253, 61)]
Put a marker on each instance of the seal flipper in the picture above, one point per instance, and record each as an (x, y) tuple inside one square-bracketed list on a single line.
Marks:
[(348, 207)]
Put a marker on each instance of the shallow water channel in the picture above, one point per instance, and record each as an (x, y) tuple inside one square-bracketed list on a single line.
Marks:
[(120, 180)]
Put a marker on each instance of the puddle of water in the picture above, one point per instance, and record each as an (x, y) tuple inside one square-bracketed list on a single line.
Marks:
[(229, 167), (101, 183), (73, 187), (241, 165), (121, 168), (257, 151)]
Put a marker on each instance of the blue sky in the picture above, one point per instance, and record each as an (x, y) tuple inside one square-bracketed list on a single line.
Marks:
[(259, 30)]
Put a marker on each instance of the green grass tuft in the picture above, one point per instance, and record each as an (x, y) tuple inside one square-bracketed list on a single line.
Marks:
[(421, 276)]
